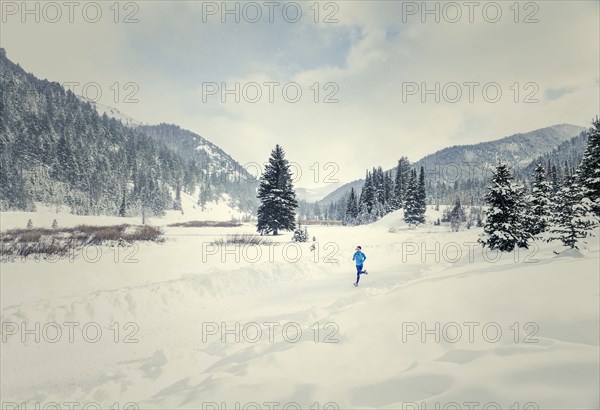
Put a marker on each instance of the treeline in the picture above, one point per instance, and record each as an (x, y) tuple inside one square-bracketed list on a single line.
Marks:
[(383, 192), (564, 210), (449, 174), (550, 199)]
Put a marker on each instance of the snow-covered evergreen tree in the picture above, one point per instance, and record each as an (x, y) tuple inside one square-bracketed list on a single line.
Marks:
[(388, 188), (367, 197), (412, 208), (351, 209), (505, 223), (379, 185), (573, 216), (422, 196), (276, 192), (300, 234), (540, 209), (589, 169), (414, 203), (555, 179), (401, 182)]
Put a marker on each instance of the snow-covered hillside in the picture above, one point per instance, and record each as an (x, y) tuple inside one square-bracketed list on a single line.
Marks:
[(436, 320), (475, 161), (111, 112), (57, 149), (317, 193)]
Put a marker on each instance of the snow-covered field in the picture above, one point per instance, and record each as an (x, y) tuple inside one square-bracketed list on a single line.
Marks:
[(185, 324)]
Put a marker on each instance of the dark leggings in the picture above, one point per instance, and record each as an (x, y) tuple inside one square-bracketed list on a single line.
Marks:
[(358, 271)]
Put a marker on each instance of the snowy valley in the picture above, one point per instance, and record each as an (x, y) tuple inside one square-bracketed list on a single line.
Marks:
[(296, 212)]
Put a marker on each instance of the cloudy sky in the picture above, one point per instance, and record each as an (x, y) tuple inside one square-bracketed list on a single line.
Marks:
[(369, 72)]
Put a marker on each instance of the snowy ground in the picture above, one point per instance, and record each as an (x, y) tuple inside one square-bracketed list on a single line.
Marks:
[(437, 321)]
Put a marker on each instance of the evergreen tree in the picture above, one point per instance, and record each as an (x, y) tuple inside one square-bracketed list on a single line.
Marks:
[(422, 196), (276, 192), (367, 196), (549, 171), (378, 211), (401, 182), (388, 188), (555, 178), (589, 169), (573, 214), (505, 225), (412, 208), (541, 205), (300, 234), (379, 185), (351, 208)]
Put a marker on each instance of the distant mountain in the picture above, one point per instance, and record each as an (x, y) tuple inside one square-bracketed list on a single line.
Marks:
[(315, 194), (469, 166), (57, 149), (565, 157), (193, 147), (224, 174), (517, 150), (342, 191)]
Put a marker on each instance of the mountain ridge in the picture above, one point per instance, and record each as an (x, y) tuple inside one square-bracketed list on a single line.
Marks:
[(56, 148), (520, 148)]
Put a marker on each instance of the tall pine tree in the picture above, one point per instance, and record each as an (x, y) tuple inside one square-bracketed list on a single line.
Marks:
[(412, 208), (422, 196), (505, 227), (367, 198), (278, 199), (541, 204), (378, 180), (401, 182), (573, 216), (351, 208), (388, 189)]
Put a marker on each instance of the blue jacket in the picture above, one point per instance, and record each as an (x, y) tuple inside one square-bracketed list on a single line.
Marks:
[(359, 257)]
